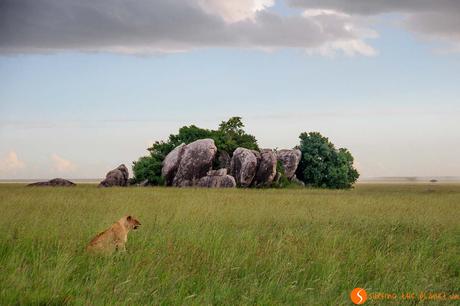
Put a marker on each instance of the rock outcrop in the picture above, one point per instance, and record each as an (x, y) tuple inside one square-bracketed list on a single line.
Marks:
[(116, 177), (266, 169), (171, 164), (191, 165), (243, 166), (289, 160), (217, 179), (195, 162), (57, 182)]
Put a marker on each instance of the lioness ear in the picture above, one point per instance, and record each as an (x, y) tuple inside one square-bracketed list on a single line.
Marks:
[(129, 218)]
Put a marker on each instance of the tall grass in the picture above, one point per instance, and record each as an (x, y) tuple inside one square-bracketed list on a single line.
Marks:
[(233, 247)]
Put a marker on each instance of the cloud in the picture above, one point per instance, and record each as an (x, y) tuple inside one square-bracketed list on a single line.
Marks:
[(11, 163), (235, 10), (145, 26), (160, 26), (435, 20), (62, 165)]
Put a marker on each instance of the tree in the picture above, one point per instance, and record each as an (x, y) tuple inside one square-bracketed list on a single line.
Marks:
[(148, 168), (322, 165), (229, 136)]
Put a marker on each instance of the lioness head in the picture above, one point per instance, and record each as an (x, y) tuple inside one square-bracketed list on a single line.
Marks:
[(132, 223)]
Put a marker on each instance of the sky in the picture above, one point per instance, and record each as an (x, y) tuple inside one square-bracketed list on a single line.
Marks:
[(88, 85)]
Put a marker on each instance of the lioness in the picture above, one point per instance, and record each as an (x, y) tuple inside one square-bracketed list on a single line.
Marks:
[(114, 238)]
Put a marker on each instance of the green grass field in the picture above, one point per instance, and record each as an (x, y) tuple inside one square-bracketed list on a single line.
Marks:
[(231, 247)]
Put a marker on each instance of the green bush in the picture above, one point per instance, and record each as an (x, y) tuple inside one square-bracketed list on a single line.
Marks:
[(148, 168), (322, 165), (229, 136)]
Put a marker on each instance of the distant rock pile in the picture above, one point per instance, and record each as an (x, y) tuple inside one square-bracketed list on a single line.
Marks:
[(116, 177), (57, 182), (191, 166)]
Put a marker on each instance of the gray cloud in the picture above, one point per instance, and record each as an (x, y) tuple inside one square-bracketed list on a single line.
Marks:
[(367, 7), (150, 26), (435, 19), (143, 26)]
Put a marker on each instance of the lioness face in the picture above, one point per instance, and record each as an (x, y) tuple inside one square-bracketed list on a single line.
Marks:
[(132, 223)]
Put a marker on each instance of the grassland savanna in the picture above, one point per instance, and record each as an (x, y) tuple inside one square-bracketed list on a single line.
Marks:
[(203, 246)]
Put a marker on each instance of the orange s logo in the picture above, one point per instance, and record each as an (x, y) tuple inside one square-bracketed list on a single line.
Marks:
[(358, 296)]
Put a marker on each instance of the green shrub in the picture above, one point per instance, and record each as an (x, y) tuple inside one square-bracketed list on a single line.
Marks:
[(148, 168), (322, 165)]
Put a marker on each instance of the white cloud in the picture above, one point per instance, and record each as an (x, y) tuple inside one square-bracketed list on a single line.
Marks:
[(434, 20), (235, 10), (348, 47), (11, 163), (62, 165), (320, 12)]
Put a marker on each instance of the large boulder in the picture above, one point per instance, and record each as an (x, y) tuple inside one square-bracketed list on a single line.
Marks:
[(289, 161), (266, 170), (196, 160), (217, 179), (116, 177), (243, 166), (56, 182), (171, 164)]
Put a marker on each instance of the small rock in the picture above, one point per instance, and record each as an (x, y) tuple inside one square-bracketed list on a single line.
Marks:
[(144, 183), (295, 180), (56, 182), (116, 177), (219, 172), (215, 180)]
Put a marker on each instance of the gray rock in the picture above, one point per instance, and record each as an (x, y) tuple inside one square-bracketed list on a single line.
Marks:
[(217, 179), (219, 172), (243, 166), (171, 164), (266, 170), (195, 162), (289, 160), (56, 182), (116, 177), (295, 180)]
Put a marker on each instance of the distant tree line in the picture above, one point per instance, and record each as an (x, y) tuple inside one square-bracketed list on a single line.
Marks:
[(321, 165)]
